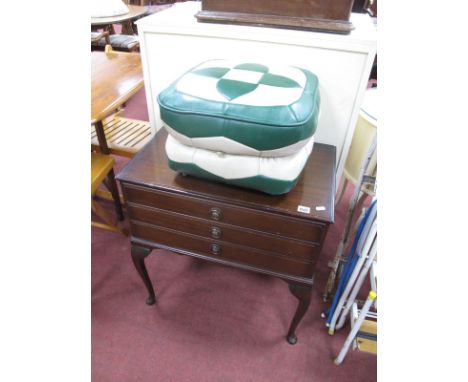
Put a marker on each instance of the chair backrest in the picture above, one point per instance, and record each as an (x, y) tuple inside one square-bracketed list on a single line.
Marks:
[(98, 36), (119, 42)]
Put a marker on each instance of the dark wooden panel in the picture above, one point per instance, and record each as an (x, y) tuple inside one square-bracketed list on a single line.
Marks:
[(319, 9), (315, 188), (225, 232), (219, 249), (320, 15), (238, 216)]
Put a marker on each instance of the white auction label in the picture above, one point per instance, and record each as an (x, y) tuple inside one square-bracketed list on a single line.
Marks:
[(303, 209)]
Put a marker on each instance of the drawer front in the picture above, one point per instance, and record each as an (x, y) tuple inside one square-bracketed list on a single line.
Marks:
[(224, 213), (224, 232), (221, 250)]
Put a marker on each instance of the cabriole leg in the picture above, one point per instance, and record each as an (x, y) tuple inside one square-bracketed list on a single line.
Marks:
[(138, 256), (303, 294)]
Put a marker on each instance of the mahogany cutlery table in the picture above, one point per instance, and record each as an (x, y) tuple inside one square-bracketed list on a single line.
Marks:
[(280, 236)]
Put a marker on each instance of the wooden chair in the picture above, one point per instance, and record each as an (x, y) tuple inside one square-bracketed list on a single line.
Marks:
[(97, 36), (119, 42), (101, 165)]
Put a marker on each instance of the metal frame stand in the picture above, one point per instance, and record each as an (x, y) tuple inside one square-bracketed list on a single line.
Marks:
[(357, 325), (336, 263)]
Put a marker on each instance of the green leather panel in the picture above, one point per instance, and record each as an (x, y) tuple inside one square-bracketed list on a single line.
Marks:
[(262, 137), (276, 80), (232, 89), (259, 127), (261, 183), (307, 105), (212, 72)]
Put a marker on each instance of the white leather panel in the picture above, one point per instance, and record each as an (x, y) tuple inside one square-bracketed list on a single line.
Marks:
[(200, 86), (265, 95), (239, 166), (229, 146), (243, 75)]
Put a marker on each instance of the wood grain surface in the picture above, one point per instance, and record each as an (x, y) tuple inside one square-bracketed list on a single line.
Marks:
[(134, 12), (115, 77)]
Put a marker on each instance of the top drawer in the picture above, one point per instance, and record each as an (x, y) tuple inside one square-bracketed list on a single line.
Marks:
[(235, 215)]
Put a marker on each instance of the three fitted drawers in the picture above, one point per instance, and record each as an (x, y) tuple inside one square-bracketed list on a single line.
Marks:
[(217, 230)]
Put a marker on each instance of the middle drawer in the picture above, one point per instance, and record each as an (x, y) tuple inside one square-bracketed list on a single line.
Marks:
[(225, 232)]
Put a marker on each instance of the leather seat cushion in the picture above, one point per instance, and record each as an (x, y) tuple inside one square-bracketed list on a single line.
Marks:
[(242, 108), (119, 41), (273, 176)]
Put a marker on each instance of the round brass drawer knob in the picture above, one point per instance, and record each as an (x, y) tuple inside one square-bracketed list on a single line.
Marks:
[(215, 232), (215, 249), (215, 213)]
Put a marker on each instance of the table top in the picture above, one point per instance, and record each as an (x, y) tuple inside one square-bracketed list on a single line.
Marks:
[(115, 77), (315, 189), (134, 12)]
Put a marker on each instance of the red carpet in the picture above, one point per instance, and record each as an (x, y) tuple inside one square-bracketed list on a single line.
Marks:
[(210, 323)]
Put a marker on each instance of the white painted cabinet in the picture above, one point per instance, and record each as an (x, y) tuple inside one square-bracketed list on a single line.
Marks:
[(173, 41)]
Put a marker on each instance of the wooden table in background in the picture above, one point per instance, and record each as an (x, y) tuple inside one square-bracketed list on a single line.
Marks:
[(136, 11), (115, 77)]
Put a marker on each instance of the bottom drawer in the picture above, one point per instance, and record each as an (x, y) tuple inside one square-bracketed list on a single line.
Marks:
[(218, 249)]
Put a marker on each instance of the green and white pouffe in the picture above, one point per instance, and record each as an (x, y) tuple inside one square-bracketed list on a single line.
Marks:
[(242, 108), (272, 175)]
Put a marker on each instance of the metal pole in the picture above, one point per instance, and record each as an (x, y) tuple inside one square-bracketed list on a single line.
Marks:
[(352, 334), (357, 286), (349, 217)]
